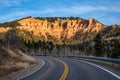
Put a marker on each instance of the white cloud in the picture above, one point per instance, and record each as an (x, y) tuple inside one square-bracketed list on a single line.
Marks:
[(83, 9), (108, 9), (73, 10), (21, 14), (55, 11)]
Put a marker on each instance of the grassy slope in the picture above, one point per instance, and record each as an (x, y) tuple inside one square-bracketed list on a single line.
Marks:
[(13, 60)]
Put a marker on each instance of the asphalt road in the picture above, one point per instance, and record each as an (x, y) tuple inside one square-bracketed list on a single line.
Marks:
[(54, 69)]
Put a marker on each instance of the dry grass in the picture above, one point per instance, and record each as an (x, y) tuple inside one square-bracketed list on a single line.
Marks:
[(13, 60)]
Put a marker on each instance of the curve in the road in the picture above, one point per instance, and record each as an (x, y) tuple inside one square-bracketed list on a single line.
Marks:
[(66, 69), (52, 70), (113, 74), (79, 70), (42, 65), (71, 69)]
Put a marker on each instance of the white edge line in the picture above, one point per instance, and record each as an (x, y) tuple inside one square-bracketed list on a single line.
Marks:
[(43, 63), (102, 69)]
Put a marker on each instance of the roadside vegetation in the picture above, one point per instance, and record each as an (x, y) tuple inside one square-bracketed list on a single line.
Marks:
[(13, 60), (12, 57)]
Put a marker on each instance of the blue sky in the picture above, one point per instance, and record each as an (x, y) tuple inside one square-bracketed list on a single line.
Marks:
[(105, 11)]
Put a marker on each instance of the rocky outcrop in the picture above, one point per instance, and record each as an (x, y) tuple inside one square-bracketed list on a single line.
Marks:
[(112, 33), (61, 28), (3, 30)]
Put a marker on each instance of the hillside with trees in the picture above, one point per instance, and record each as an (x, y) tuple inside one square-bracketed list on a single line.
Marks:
[(62, 36), (12, 57)]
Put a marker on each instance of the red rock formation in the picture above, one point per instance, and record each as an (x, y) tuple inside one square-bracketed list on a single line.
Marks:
[(61, 28)]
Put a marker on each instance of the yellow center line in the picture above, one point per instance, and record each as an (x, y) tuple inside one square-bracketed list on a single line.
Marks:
[(65, 73)]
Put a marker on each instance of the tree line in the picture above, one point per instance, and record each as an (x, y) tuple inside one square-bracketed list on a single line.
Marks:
[(97, 47)]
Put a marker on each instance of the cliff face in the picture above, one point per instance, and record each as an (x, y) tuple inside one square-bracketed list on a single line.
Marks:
[(112, 33), (61, 28), (4, 30)]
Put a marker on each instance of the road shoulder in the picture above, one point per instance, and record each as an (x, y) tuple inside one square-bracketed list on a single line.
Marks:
[(25, 72)]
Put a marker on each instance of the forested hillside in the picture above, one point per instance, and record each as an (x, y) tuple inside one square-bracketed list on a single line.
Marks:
[(62, 35)]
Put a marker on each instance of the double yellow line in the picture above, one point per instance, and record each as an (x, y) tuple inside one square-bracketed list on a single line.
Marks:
[(65, 73)]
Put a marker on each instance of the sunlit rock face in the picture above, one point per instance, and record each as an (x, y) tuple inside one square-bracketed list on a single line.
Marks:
[(3, 30), (61, 28)]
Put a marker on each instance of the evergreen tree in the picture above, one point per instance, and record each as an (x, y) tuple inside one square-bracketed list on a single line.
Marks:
[(98, 45), (50, 46), (116, 49)]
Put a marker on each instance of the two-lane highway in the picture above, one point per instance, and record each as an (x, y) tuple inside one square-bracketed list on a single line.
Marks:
[(81, 70), (52, 70), (70, 69)]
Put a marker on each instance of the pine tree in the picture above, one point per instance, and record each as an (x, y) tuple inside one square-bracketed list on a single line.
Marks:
[(98, 45), (116, 49)]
